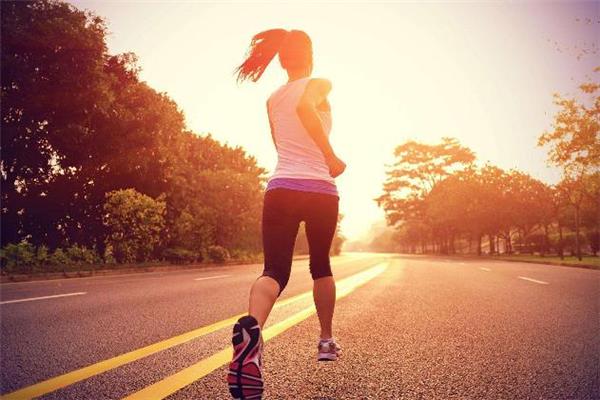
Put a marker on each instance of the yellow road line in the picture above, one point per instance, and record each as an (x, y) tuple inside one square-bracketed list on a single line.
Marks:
[(183, 378), (58, 382)]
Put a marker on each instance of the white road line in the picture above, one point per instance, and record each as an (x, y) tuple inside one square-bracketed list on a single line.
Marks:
[(533, 280), (42, 297), (485, 269), (211, 277)]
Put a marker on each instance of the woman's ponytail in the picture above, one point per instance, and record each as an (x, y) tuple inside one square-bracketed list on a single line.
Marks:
[(263, 48)]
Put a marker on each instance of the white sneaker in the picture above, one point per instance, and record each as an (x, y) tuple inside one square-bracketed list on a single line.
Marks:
[(329, 350)]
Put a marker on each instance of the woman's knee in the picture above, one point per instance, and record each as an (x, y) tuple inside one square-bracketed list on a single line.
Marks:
[(281, 278), (320, 270)]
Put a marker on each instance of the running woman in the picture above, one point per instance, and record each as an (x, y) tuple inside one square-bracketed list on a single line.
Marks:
[(302, 188)]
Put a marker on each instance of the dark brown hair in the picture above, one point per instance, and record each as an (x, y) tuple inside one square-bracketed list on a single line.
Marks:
[(294, 48)]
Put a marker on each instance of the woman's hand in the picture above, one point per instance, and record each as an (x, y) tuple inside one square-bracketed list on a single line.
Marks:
[(336, 166)]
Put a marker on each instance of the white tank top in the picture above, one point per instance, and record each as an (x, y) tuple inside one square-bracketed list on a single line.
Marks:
[(298, 156)]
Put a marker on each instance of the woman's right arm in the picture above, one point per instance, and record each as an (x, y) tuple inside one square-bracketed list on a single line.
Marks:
[(315, 93), (271, 125)]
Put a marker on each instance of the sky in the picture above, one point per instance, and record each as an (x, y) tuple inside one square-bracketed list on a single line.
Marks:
[(483, 72)]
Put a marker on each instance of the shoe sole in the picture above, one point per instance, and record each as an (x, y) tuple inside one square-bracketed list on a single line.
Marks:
[(244, 378)]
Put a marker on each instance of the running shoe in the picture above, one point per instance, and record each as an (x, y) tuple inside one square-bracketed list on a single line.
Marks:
[(244, 377), (329, 350)]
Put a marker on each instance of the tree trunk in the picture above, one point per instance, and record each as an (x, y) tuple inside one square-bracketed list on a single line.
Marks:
[(478, 245), (598, 223), (545, 244), (508, 243), (577, 244), (491, 241), (560, 242)]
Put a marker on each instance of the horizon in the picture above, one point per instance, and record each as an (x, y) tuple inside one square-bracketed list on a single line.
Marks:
[(523, 51)]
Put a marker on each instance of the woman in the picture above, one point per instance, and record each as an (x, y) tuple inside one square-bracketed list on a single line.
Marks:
[(302, 188)]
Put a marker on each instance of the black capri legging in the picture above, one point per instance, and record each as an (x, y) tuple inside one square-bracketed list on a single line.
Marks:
[(283, 211)]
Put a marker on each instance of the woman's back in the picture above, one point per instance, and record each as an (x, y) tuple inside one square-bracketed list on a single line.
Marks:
[(298, 155)]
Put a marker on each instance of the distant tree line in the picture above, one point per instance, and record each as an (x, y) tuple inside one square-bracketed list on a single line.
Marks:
[(439, 201), (99, 167), (302, 247)]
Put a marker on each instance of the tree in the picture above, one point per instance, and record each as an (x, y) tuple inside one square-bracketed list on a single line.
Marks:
[(221, 188), (575, 139), (573, 192), (134, 222), (418, 168), (575, 147), (77, 123), (301, 245), (53, 84), (590, 213)]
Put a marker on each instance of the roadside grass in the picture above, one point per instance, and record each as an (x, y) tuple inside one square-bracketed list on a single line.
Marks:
[(88, 270), (585, 260)]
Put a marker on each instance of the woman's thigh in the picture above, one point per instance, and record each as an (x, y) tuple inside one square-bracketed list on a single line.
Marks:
[(280, 222), (321, 217)]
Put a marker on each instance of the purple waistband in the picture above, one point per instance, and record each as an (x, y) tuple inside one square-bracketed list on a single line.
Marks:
[(304, 185)]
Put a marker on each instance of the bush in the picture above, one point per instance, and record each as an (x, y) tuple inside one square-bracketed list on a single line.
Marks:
[(537, 242), (245, 256), (81, 255), (178, 255), (135, 222), (569, 243), (109, 257), (217, 254), (60, 260), (26, 258), (594, 241), (42, 256), (18, 258)]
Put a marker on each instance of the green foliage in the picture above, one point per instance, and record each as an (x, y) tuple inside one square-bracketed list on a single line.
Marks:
[(574, 141), (78, 124), (217, 254), (301, 245), (18, 257), (60, 260), (25, 258), (42, 256), (51, 53), (215, 198), (109, 256), (74, 257), (192, 229), (476, 203), (179, 255), (245, 256), (418, 168), (134, 222), (80, 255)]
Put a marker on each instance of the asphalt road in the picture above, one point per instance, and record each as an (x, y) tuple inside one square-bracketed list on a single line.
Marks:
[(410, 328)]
